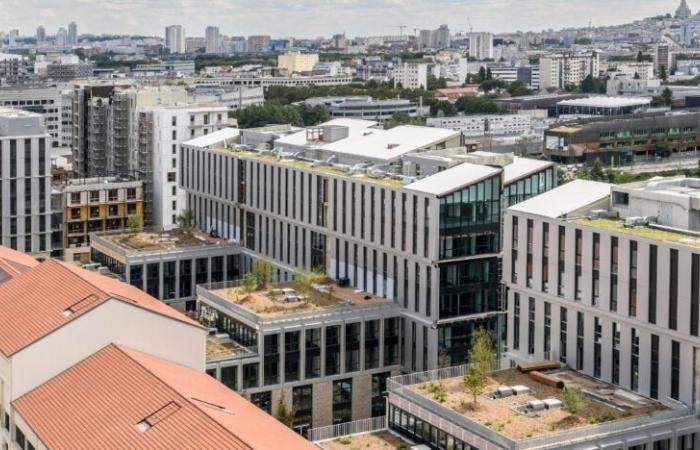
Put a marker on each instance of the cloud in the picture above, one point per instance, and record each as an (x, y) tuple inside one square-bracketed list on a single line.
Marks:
[(311, 18)]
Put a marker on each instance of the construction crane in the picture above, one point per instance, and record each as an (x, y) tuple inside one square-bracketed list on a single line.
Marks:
[(401, 28)]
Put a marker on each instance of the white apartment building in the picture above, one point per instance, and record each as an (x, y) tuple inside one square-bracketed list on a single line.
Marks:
[(383, 211), (485, 125), (53, 102), (640, 70), (297, 62), (450, 65), (411, 75), (213, 40), (606, 279), (567, 69), (481, 46), (25, 182), (161, 130), (662, 58), (175, 38)]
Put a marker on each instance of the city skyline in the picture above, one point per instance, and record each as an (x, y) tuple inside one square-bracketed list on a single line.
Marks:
[(381, 17)]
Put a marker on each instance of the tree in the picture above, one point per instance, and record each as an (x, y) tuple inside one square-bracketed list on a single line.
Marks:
[(306, 281), (477, 105), (573, 399), (134, 222), (482, 74), (597, 173), (667, 96), (185, 220), (480, 363), (636, 76), (402, 118), (313, 115), (262, 271), (662, 73), (442, 108), (436, 83), (284, 415), (588, 84), (250, 283), (518, 88), (640, 56)]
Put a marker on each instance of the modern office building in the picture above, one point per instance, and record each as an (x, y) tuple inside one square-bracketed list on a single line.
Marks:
[(72, 33), (175, 38), (325, 354), (612, 273), (558, 71), (621, 139), (297, 62), (213, 40), (405, 214), (530, 75), (481, 46), (92, 205), (25, 182), (40, 35), (89, 361), (411, 75), (365, 107), (51, 101), (166, 264)]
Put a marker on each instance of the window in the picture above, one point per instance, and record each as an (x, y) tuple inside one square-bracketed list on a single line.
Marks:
[(694, 295), (391, 341), (616, 354), (580, 340), (292, 356), (332, 350), (19, 437), (379, 393), (262, 400), (578, 250), (562, 261), (313, 352), (229, 377), (614, 253), (545, 257), (250, 376), (595, 295), (651, 303), (271, 359), (654, 368), (563, 325), (302, 404), (675, 369), (371, 344), (673, 291), (531, 326), (171, 177), (516, 321), (597, 343), (342, 401), (634, 361), (632, 306)]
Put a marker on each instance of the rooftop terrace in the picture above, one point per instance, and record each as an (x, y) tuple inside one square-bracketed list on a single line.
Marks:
[(152, 241), (380, 440), (528, 409), (282, 299), (643, 231)]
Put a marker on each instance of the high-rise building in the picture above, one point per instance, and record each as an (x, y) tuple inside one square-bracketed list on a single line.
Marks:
[(72, 33), (175, 38), (25, 178), (437, 39), (606, 279), (213, 40), (662, 58), (567, 69), (40, 35), (481, 46), (258, 44), (61, 37), (12, 37), (411, 75)]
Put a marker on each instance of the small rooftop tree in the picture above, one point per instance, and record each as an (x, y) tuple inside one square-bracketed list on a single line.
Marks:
[(262, 270), (573, 399), (185, 220), (249, 282), (480, 363)]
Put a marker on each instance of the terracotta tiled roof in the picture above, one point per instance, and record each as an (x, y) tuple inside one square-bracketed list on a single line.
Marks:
[(122, 398), (13, 263), (51, 294)]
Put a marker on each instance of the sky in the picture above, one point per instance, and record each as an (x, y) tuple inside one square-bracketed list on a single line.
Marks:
[(313, 18)]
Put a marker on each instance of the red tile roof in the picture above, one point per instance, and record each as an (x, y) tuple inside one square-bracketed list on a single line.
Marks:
[(13, 263), (122, 398), (51, 294)]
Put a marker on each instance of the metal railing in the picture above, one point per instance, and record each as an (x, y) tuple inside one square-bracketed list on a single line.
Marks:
[(348, 428)]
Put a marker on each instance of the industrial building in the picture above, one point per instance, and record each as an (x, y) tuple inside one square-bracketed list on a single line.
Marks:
[(602, 106)]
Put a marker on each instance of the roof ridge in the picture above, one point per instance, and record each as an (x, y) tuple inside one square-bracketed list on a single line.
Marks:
[(123, 350), (65, 267)]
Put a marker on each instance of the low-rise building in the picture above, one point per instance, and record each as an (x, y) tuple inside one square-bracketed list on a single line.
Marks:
[(485, 125), (365, 107), (167, 265), (620, 140), (297, 62), (602, 106), (411, 75)]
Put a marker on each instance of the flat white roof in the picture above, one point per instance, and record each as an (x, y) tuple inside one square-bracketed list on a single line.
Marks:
[(355, 127), (606, 102), (453, 179), (14, 112), (214, 138), (565, 199), (521, 167), (390, 144)]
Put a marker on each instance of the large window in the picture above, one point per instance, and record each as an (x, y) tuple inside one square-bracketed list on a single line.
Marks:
[(250, 376), (352, 347), (185, 278), (169, 280), (271, 359), (470, 220), (391, 341), (292, 356), (342, 401), (262, 400), (371, 344), (468, 287), (332, 350), (229, 377), (313, 352), (379, 393), (673, 292), (302, 403), (153, 279)]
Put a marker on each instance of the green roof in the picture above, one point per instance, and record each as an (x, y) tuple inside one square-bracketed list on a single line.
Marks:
[(642, 231)]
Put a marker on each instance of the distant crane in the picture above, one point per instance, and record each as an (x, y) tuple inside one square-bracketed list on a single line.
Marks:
[(401, 28)]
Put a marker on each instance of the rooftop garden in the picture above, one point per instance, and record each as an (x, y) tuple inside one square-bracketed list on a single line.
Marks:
[(617, 226), (308, 292), (382, 440)]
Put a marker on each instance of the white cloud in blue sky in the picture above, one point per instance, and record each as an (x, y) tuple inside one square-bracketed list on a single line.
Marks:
[(311, 18)]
